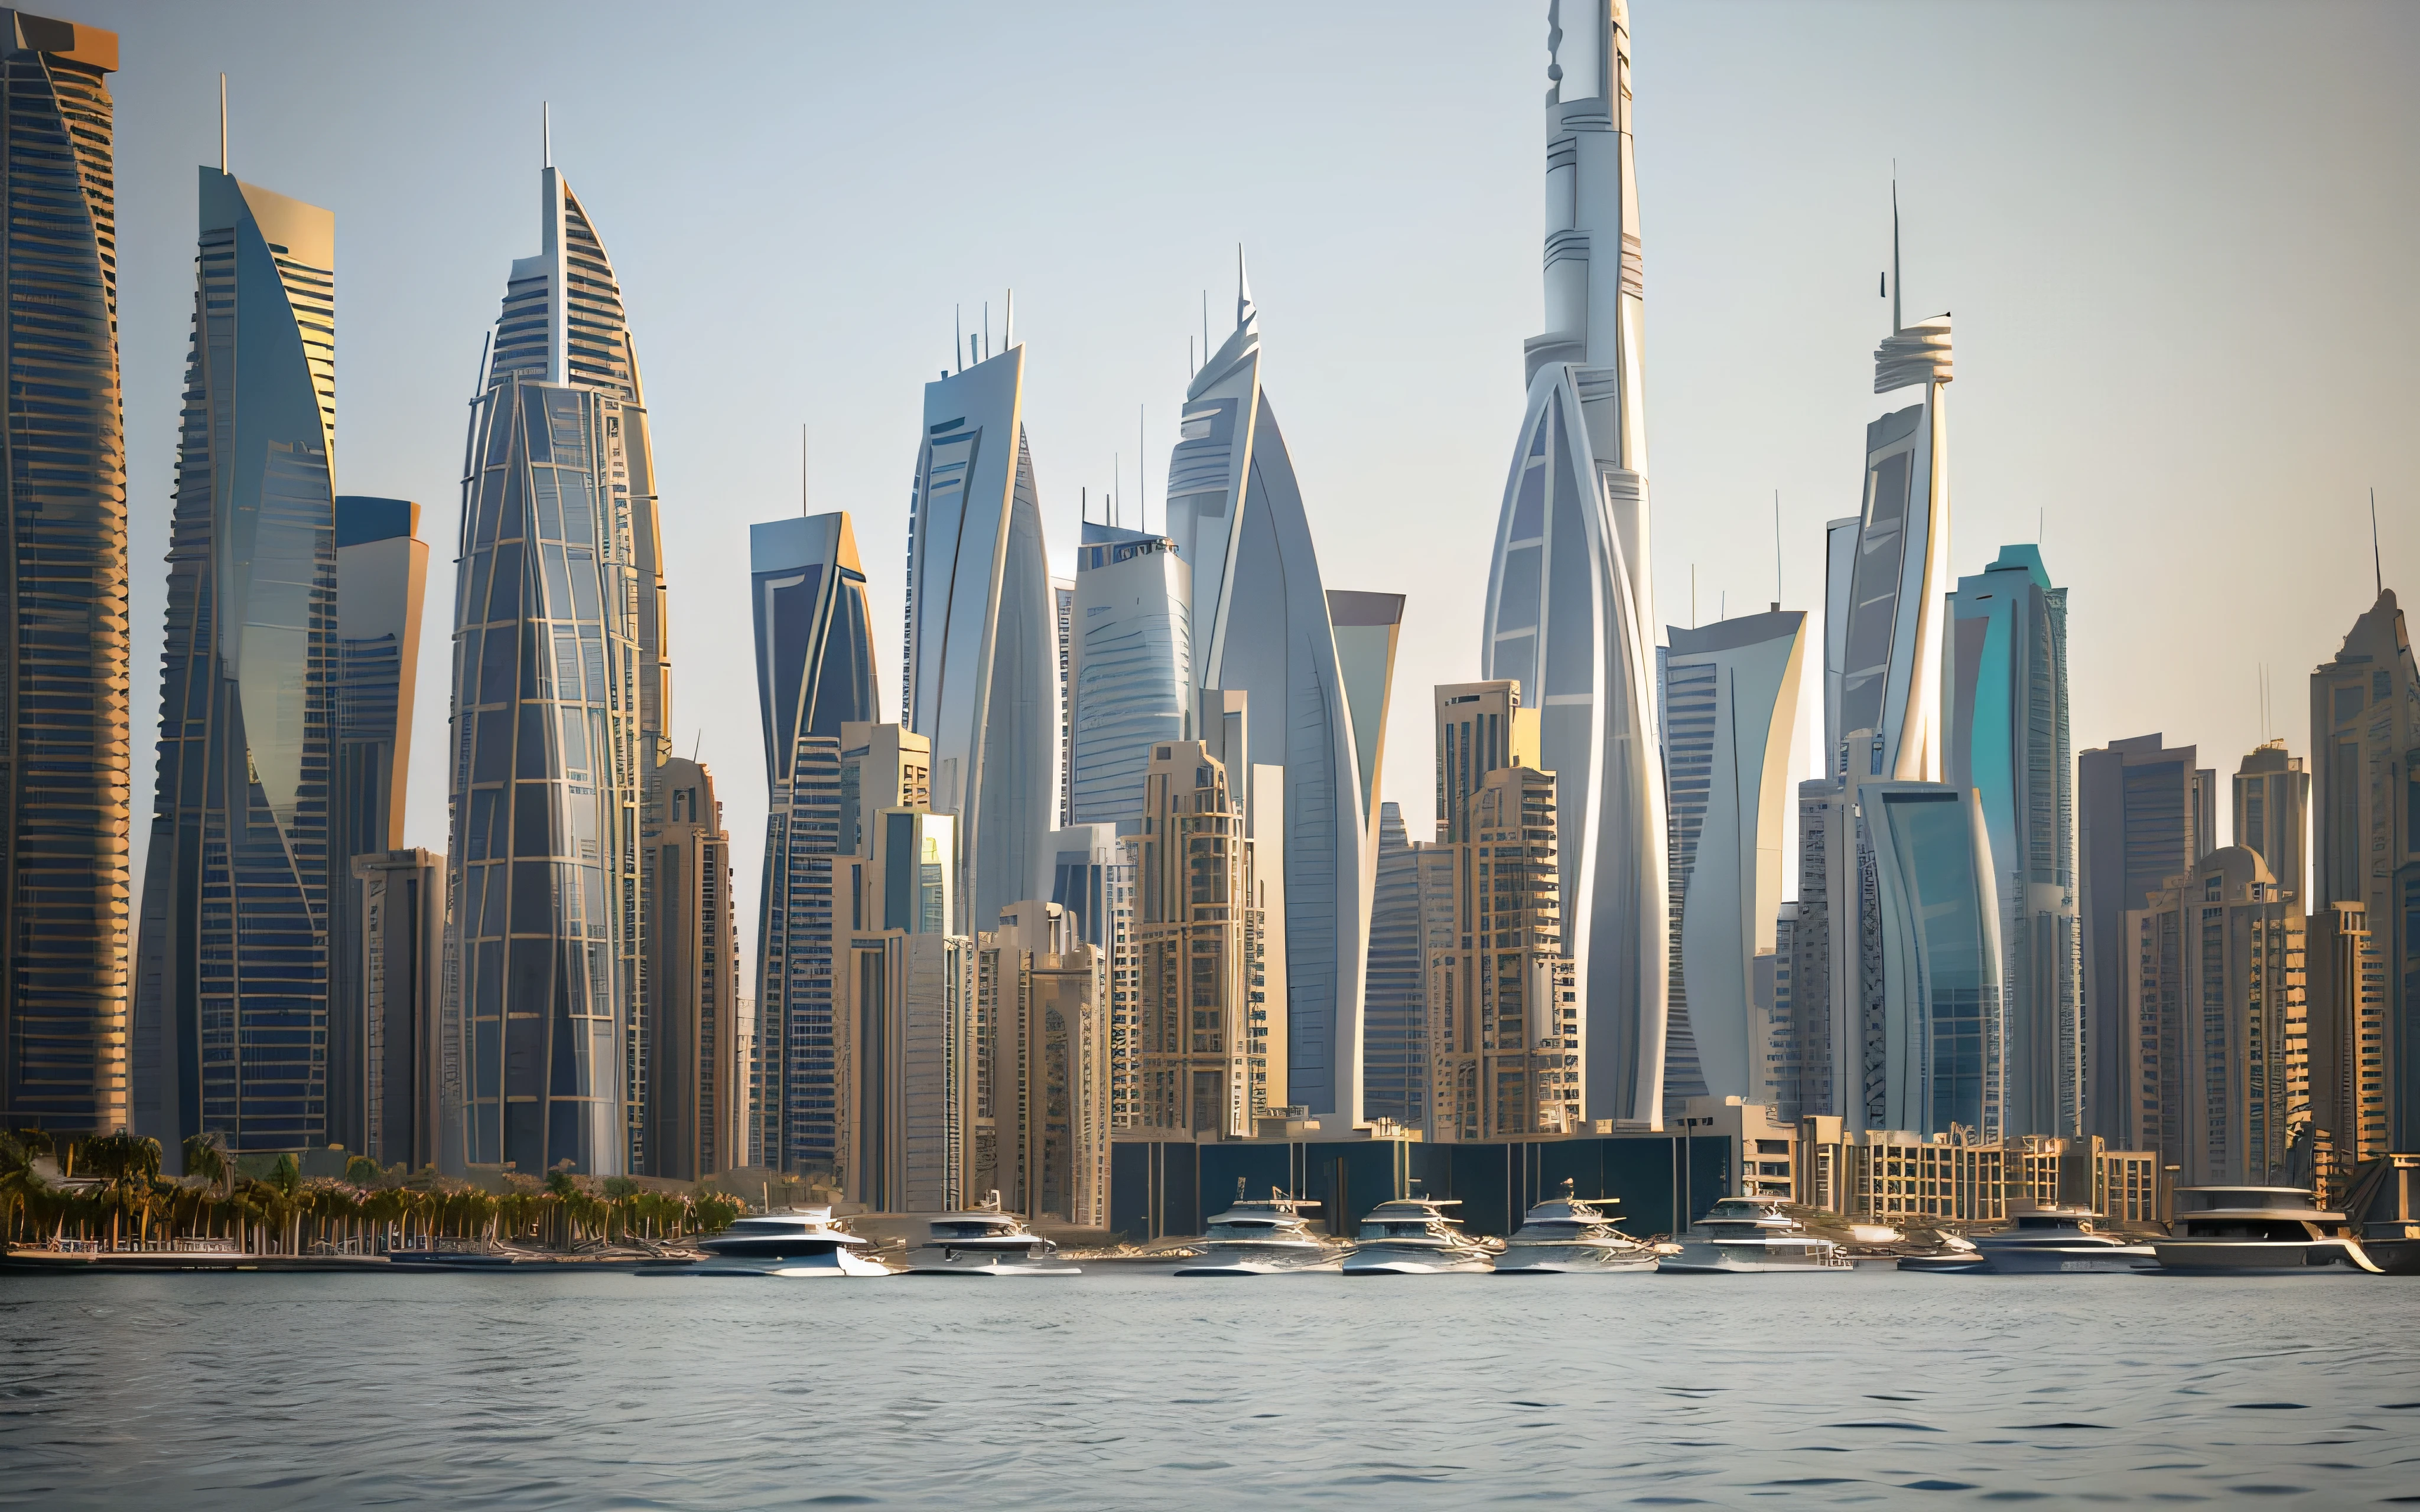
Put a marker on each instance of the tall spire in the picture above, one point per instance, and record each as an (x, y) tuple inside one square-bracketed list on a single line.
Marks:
[(1899, 321), (1243, 290), (223, 142), (2376, 563)]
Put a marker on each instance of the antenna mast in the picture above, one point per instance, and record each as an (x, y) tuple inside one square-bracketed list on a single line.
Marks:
[(223, 152), (2376, 563), (1897, 324)]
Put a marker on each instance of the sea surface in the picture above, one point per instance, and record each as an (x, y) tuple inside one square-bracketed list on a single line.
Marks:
[(1129, 1389)]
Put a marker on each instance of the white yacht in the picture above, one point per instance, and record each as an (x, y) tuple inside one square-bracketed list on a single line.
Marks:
[(1567, 1234), (1412, 1236), (2046, 1241), (985, 1240), (1264, 1236), (2238, 1230), (1753, 1234), (795, 1242)]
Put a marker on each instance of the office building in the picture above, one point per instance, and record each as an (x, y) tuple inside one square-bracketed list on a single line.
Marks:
[(2145, 812), (1048, 1067), (2217, 1068), (1932, 1036), (1729, 709), (2273, 814), (2365, 823), (1394, 1060), (1261, 632), (2345, 1000), (1062, 604), (232, 972), (1833, 939), (692, 1065), (381, 581), (1570, 612), (65, 890), (1505, 1031), (399, 905), (1093, 878), (815, 678), (559, 711), (1132, 657), (1368, 627), (1773, 1027), (1213, 1041), (980, 665), (2006, 739)]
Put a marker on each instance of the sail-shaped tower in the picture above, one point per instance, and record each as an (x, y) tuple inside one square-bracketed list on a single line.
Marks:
[(558, 718), (1261, 628), (1569, 611)]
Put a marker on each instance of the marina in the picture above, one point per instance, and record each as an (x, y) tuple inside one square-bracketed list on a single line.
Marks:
[(1742, 1236), (1416, 1236), (1565, 1235), (2048, 1240), (1268, 1236)]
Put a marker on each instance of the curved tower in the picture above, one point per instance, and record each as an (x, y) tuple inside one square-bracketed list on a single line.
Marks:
[(557, 724), (983, 644), (1571, 608), (1261, 628), (232, 980), (66, 776)]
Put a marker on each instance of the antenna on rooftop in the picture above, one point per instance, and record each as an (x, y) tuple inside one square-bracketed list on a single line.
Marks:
[(223, 153), (959, 336), (1776, 551), (803, 507), (1896, 321), (1008, 323), (2376, 563), (545, 133)]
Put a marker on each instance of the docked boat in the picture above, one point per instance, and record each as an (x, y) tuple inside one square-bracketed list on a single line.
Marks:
[(1413, 1236), (797, 1241), (1567, 1234), (1266, 1236), (1753, 1235), (2044, 1241), (2253, 1230), (985, 1240)]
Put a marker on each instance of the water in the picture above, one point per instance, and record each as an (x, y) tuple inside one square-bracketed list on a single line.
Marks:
[(1119, 1390)]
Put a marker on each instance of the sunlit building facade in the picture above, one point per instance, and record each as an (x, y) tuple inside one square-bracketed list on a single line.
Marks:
[(1046, 1067), (1132, 666)]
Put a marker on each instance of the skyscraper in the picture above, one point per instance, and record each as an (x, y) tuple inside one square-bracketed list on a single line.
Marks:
[(1261, 629), (65, 721), (559, 695), (1062, 604), (1366, 626), (1570, 607), (381, 581), (1730, 707), (2272, 813), (232, 980), (691, 1062), (1038, 988), (1932, 1033), (1132, 679), (2004, 704), (2145, 812), (1394, 1060), (982, 655), (398, 901), (2366, 754)]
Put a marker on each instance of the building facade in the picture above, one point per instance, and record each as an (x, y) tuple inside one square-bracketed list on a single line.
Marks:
[(1932, 1033), (1093, 878), (66, 721), (401, 1059), (558, 718), (693, 1061), (1394, 1057), (2005, 738), (1729, 709), (2365, 823), (1131, 687), (2273, 814), (2145, 812), (1368, 627), (1569, 611), (2345, 1000), (1048, 1067), (231, 1012)]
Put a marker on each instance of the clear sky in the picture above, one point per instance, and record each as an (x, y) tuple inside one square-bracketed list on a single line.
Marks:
[(2178, 240)]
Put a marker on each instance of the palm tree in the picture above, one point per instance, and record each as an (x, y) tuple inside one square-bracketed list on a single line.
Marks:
[(125, 1165)]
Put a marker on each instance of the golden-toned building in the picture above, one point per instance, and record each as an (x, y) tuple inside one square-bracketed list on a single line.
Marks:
[(1890, 1175), (1045, 1078), (2346, 993), (1211, 1036), (689, 1065)]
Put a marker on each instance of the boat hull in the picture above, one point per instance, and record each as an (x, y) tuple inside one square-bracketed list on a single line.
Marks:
[(1572, 1260), (1264, 1262), (2095, 1260), (1740, 1259), (2253, 1256), (1386, 1260)]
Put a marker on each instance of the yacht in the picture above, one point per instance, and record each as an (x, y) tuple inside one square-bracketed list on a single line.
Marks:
[(1412, 1236), (2046, 1241), (797, 1241), (1753, 1234), (2237, 1230), (1566, 1234), (985, 1240), (1264, 1236)]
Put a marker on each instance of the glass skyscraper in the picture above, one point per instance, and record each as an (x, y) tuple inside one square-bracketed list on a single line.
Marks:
[(559, 697), (1131, 685), (231, 1010), (64, 712), (1939, 1036)]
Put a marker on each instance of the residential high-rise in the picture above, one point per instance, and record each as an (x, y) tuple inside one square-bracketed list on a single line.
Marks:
[(231, 1011), (1773, 1020), (2344, 998), (2217, 1078), (1092, 877), (1730, 707), (982, 657), (2365, 756), (1261, 630), (65, 746), (1504, 1022), (2004, 704), (1063, 603), (399, 905), (2272, 813), (1831, 947), (691, 1066), (381, 581), (815, 677), (1037, 986), (2145, 812), (1132, 679), (1213, 1037), (1480, 728), (559, 710), (1570, 604)]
